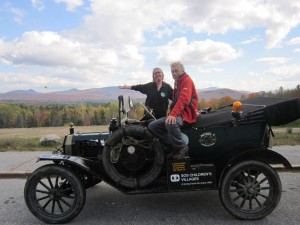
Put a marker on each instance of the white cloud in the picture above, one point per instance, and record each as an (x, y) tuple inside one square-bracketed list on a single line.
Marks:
[(196, 52), (52, 49), (222, 16), (71, 4), (67, 62), (273, 60), (294, 41), (18, 15), (213, 70), (285, 73), (250, 40), (125, 22), (286, 76), (38, 4)]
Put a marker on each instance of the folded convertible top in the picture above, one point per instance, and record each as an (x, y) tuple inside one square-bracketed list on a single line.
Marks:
[(273, 111)]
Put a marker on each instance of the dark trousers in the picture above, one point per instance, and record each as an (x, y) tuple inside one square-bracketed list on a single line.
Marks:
[(169, 134)]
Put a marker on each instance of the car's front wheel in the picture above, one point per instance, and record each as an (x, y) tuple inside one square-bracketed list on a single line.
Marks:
[(54, 194), (250, 190)]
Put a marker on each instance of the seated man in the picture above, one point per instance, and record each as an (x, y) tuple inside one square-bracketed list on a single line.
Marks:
[(183, 109)]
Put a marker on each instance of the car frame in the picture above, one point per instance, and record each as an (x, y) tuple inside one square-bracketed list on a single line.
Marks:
[(229, 151)]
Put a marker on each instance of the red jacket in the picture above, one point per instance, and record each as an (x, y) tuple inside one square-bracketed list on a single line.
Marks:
[(185, 98)]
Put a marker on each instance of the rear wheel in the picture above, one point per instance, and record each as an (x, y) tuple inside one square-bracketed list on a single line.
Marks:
[(250, 190), (132, 158), (54, 194)]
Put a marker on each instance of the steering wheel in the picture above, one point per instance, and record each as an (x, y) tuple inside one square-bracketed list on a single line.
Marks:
[(148, 111)]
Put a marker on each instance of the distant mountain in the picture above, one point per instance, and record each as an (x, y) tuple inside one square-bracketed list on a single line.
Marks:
[(208, 93), (105, 94), (27, 92)]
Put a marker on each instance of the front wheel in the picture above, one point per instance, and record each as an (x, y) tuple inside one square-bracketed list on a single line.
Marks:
[(250, 190), (54, 194)]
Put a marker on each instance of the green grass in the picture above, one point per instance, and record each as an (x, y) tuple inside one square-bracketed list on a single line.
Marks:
[(22, 144), (27, 139), (287, 139)]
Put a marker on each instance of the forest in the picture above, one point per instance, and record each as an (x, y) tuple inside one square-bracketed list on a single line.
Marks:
[(26, 115)]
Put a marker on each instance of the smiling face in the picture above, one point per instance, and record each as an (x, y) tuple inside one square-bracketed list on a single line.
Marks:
[(158, 75)]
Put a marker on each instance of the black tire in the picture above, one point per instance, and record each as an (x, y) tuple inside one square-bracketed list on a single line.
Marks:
[(54, 194), (250, 190), (133, 170)]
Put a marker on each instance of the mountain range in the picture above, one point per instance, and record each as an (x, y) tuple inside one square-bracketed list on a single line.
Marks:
[(105, 94)]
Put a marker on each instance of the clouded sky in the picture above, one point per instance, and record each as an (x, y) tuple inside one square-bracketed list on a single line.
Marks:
[(251, 45)]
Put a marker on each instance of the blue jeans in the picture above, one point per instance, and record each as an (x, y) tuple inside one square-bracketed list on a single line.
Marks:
[(169, 134)]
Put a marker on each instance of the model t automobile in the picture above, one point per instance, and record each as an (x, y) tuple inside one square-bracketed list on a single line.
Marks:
[(229, 151)]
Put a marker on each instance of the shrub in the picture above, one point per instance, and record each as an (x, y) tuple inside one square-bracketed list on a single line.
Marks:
[(50, 140), (289, 130)]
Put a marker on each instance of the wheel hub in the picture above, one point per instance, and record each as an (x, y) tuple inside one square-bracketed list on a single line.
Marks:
[(131, 149), (54, 194), (251, 190)]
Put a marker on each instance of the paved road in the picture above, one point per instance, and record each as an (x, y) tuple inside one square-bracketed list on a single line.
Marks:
[(105, 205)]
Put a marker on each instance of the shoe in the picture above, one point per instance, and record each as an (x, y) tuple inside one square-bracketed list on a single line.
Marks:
[(181, 153)]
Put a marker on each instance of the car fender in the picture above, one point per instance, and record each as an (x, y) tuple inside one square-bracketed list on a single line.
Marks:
[(264, 155), (90, 166)]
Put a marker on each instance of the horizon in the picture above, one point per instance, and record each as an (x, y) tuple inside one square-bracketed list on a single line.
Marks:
[(28, 90)]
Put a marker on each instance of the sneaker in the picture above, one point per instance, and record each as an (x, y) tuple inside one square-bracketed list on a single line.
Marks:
[(181, 153)]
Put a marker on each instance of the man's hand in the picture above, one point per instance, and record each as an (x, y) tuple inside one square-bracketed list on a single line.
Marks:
[(171, 120)]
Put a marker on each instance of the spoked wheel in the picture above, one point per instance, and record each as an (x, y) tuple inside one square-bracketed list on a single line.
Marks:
[(131, 158), (250, 190), (54, 194)]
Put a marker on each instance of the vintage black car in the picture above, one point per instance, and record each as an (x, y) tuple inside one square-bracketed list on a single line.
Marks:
[(229, 151)]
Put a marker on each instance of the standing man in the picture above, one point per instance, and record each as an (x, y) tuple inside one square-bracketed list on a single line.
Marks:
[(183, 109)]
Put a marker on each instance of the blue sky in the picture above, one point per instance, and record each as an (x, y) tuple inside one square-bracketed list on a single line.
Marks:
[(251, 45)]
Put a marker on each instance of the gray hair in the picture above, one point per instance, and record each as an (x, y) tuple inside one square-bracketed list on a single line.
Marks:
[(178, 65), (157, 69)]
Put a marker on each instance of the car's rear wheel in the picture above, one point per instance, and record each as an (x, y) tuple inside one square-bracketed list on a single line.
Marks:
[(131, 158), (54, 194), (250, 190)]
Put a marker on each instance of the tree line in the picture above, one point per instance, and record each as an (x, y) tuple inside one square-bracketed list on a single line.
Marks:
[(25, 115)]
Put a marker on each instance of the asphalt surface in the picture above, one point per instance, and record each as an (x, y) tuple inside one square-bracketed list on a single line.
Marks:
[(22, 164)]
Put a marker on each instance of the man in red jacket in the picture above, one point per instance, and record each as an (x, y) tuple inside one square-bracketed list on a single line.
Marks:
[(183, 110)]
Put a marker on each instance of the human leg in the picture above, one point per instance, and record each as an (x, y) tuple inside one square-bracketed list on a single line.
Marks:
[(180, 149), (170, 134), (175, 133), (158, 129)]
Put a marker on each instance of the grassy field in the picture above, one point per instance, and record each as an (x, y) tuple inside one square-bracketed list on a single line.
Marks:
[(27, 139)]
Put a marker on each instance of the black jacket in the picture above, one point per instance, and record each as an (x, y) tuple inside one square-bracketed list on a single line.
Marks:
[(156, 100)]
